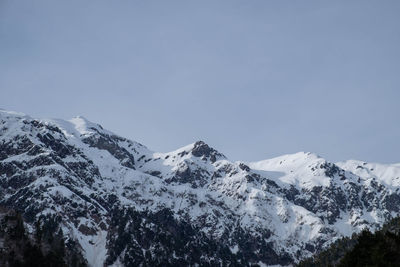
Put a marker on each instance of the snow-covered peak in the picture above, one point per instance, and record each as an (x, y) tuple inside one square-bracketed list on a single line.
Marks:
[(298, 158), (198, 149), (83, 126), (76, 126), (302, 168), (6, 114)]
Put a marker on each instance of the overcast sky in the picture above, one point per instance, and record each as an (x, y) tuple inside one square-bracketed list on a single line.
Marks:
[(254, 79)]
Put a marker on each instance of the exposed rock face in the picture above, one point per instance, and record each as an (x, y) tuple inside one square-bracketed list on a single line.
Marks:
[(110, 143), (201, 149), (119, 202)]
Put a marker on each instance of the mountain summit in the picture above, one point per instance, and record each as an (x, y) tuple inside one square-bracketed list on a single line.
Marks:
[(118, 203)]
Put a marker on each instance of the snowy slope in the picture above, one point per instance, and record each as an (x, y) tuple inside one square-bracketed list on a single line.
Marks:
[(389, 174), (98, 184)]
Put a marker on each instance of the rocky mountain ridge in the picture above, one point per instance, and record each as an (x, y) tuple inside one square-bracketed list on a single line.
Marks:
[(115, 198)]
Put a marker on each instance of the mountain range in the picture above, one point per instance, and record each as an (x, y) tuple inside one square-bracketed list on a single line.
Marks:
[(118, 203)]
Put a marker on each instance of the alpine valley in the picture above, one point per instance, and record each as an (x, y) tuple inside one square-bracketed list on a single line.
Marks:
[(114, 202)]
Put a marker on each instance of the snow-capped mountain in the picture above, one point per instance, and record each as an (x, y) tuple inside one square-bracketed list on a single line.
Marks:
[(123, 204)]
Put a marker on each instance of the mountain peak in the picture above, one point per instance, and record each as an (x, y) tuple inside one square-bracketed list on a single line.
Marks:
[(9, 113), (201, 149), (305, 155), (84, 126)]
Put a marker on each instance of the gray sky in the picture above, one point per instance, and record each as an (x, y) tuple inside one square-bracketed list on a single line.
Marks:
[(254, 79)]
